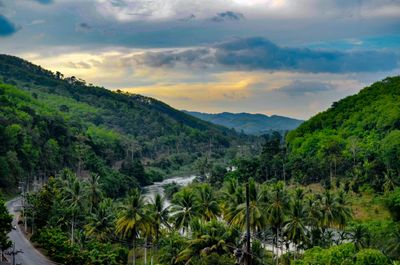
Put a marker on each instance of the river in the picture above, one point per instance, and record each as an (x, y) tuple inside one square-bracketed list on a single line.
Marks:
[(151, 190)]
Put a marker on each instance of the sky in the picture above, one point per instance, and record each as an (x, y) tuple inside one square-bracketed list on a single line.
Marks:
[(276, 57)]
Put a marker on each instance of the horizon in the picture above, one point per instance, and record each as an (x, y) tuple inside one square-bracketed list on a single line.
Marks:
[(272, 57)]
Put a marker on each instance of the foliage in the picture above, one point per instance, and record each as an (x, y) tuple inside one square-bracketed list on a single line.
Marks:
[(393, 203), (358, 136), (5, 225)]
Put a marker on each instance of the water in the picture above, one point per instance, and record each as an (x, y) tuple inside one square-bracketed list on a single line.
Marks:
[(157, 187)]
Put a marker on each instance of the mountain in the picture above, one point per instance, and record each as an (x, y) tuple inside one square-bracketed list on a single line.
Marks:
[(48, 122), (358, 137), (256, 124)]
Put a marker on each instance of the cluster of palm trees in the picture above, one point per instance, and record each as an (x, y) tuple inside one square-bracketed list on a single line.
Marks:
[(279, 217), (212, 221)]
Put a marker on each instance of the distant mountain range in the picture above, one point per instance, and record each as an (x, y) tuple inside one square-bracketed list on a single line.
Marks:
[(248, 123)]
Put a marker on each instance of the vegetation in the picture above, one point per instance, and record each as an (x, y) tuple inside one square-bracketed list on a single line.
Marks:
[(49, 122), (308, 191)]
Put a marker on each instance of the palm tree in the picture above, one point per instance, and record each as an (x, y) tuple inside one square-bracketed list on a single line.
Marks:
[(296, 225), (393, 246), (94, 191), (329, 210), (101, 222), (185, 208), (132, 218), (343, 210), (277, 210), (159, 214), (210, 237), (314, 215), (236, 214), (209, 207), (359, 236), (75, 198)]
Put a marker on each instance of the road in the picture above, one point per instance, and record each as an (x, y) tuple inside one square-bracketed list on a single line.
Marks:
[(30, 255)]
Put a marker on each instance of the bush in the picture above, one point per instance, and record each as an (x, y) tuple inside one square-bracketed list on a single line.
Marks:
[(371, 256), (393, 204)]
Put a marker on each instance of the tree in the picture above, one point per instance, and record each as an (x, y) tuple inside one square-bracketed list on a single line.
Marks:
[(208, 238), (135, 170), (208, 204), (296, 225), (393, 246), (132, 218), (5, 225), (158, 214), (236, 213), (359, 236), (277, 210), (100, 225), (185, 208), (75, 199), (94, 191), (393, 204)]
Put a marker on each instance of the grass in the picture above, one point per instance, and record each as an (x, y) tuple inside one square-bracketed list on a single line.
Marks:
[(368, 207)]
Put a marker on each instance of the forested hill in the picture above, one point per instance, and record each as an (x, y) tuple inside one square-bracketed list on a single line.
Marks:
[(256, 124), (48, 121), (358, 136)]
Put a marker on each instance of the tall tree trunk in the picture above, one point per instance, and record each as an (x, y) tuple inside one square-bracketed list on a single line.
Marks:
[(277, 246), (72, 229), (133, 249), (145, 251)]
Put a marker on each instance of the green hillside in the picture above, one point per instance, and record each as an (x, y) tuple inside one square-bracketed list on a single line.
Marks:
[(358, 136), (49, 122)]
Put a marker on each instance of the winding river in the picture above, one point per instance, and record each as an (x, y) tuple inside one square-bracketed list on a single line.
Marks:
[(157, 187)]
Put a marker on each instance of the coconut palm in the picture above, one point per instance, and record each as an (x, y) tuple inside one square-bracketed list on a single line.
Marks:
[(359, 236), (94, 191), (158, 214), (132, 218), (102, 221), (329, 210), (208, 204), (75, 197), (276, 211), (209, 237), (393, 247), (343, 210), (185, 208), (296, 225), (236, 214)]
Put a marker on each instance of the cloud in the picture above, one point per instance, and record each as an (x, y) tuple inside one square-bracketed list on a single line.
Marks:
[(83, 27), (228, 16), (44, 2), (7, 28), (301, 88), (261, 54)]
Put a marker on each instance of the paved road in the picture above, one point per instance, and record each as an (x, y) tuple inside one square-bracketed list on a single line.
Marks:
[(30, 256)]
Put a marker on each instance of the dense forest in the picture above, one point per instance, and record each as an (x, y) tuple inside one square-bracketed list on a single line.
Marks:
[(49, 122), (357, 138), (328, 192)]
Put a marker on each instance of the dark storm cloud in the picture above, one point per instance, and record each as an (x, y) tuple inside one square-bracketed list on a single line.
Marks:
[(262, 54), (191, 57), (300, 88), (228, 16), (44, 2), (7, 28), (83, 27)]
